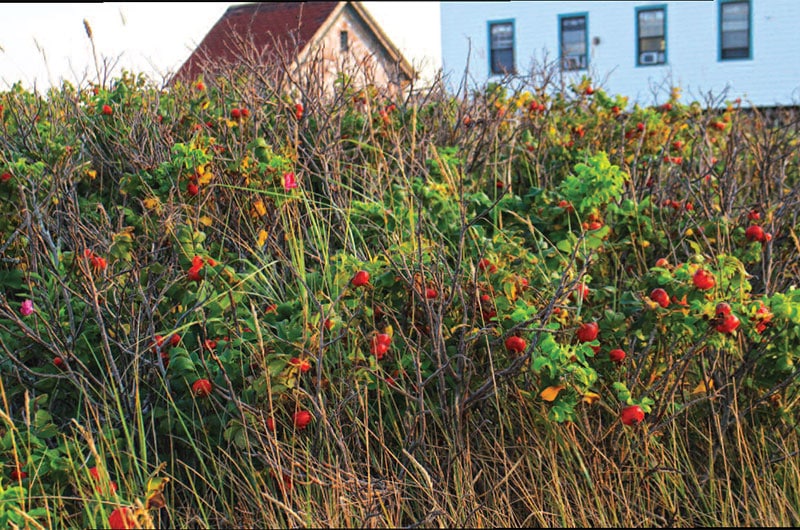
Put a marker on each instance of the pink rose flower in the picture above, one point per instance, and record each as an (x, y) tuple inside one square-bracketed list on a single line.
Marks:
[(289, 182), (26, 308)]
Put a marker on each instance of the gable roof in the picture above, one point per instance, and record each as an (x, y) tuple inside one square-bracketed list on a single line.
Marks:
[(272, 26)]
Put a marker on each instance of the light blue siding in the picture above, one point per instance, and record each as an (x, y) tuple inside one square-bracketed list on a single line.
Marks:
[(770, 76)]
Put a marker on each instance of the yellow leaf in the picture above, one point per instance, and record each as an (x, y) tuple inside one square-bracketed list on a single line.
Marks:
[(389, 330), (551, 392), (201, 169), (590, 398), (151, 203), (155, 495), (262, 237), (92, 174), (206, 220), (205, 179), (259, 207), (650, 304), (701, 388)]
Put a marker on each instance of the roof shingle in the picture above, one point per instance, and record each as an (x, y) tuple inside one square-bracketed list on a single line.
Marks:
[(290, 25)]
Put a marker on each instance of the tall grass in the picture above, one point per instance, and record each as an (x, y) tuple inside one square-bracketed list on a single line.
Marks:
[(427, 452)]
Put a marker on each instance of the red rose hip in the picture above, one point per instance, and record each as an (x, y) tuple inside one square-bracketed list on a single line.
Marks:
[(360, 279), (632, 415), (588, 332), (516, 344), (202, 388)]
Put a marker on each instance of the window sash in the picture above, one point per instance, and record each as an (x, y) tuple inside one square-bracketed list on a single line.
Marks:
[(502, 36), (501, 47), (573, 43), (735, 30), (652, 34), (502, 61)]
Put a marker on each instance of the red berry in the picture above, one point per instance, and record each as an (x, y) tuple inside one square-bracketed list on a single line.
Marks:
[(703, 279), (236, 114), (298, 110), (516, 344), (729, 324), (486, 265), (360, 279), (18, 474), (202, 388), (121, 519), (301, 419), (723, 309), (662, 262), (107, 110), (632, 415), (587, 332), (380, 345), (581, 292), (617, 355), (200, 85), (753, 215), (5, 177), (660, 296), (754, 233), (302, 364), (192, 189), (430, 293), (245, 113), (640, 126), (175, 339), (58, 361), (271, 424)]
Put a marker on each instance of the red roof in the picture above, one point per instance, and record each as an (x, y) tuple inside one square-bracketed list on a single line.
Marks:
[(291, 24)]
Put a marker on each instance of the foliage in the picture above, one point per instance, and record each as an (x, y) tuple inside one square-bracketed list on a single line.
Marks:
[(171, 246)]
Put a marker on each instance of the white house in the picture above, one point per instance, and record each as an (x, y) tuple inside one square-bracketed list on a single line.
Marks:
[(737, 48)]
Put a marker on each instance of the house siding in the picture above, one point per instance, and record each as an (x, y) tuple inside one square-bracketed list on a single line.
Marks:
[(366, 60), (771, 76)]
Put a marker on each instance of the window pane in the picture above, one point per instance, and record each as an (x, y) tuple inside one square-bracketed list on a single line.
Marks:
[(735, 30), (573, 36), (736, 53), (573, 62), (651, 23), (502, 61), (573, 24), (652, 45), (578, 48), (502, 36), (735, 12), (735, 39)]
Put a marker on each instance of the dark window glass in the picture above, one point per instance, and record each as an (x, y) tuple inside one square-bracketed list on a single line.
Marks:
[(652, 37), (735, 30), (573, 43), (501, 37)]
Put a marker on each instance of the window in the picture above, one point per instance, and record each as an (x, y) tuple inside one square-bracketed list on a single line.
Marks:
[(734, 27), (573, 42), (344, 44), (501, 47), (651, 36)]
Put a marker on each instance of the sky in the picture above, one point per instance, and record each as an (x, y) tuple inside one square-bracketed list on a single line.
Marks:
[(43, 44)]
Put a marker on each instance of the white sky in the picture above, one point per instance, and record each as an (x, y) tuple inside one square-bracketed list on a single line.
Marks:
[(43, 43)]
